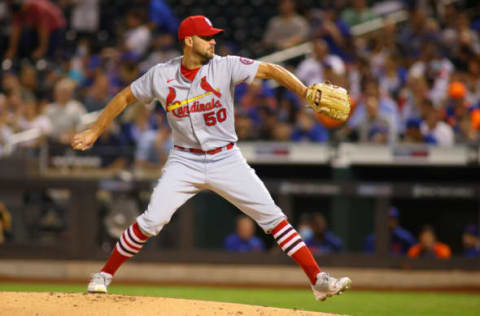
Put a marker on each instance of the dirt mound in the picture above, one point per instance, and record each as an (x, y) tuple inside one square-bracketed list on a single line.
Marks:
[(72, 304)]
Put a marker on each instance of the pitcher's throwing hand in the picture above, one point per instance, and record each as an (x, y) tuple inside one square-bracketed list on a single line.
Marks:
[(84, 140)]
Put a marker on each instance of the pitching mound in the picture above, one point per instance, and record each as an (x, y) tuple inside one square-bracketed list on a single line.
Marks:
[(72, 304)]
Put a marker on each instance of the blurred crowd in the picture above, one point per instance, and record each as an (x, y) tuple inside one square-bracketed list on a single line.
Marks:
[(313, 227), (416, 81)]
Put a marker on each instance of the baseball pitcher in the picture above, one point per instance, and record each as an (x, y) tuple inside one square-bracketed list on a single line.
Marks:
[(196, 91)]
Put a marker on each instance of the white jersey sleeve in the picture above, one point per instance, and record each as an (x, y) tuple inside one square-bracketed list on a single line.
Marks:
[(142, 88), (242, 69)]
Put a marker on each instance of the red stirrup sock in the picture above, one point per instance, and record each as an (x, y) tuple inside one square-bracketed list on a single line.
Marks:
[(292, 244), (130, 243)]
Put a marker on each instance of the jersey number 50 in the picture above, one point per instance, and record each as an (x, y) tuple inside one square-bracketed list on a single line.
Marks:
[(211, 118)]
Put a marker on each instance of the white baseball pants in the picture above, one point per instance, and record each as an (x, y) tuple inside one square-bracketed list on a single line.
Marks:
[(226, 173)]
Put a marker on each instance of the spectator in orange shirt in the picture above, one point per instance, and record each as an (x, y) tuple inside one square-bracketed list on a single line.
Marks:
[(429, 246)]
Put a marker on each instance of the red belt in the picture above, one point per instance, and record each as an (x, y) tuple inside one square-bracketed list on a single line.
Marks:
[(209, 152)]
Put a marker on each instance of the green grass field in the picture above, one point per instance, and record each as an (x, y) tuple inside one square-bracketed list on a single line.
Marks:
[(358, 303)]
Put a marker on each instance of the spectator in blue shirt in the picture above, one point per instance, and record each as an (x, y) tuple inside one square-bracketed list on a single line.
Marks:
[(244, 239), (329, 26), (413, 134), (307, 129), (400, 239), (471, 242), (317, 237), (162, 17)]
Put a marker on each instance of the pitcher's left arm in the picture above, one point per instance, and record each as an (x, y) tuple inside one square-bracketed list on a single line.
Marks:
[(325, 98), (284, 77)]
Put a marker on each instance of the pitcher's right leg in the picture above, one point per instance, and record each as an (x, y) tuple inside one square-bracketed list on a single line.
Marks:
[(178, 183)]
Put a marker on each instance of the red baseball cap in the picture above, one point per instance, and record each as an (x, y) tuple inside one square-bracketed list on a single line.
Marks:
[(196, 25)]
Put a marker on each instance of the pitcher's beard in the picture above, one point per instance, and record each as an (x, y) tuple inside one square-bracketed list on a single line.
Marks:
[(204, 57)]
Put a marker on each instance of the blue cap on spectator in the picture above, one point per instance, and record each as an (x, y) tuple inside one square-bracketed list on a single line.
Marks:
[(414, 122), (393, 212), (471, 230), (377, 130)]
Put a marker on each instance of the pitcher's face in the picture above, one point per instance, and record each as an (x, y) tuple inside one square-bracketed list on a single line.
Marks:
[(204, 46)]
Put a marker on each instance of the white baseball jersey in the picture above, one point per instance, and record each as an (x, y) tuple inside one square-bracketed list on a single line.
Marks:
[(200, 112), (201, 115)]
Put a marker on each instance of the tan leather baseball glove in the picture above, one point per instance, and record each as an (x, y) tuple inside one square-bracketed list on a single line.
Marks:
[(330, 100)]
